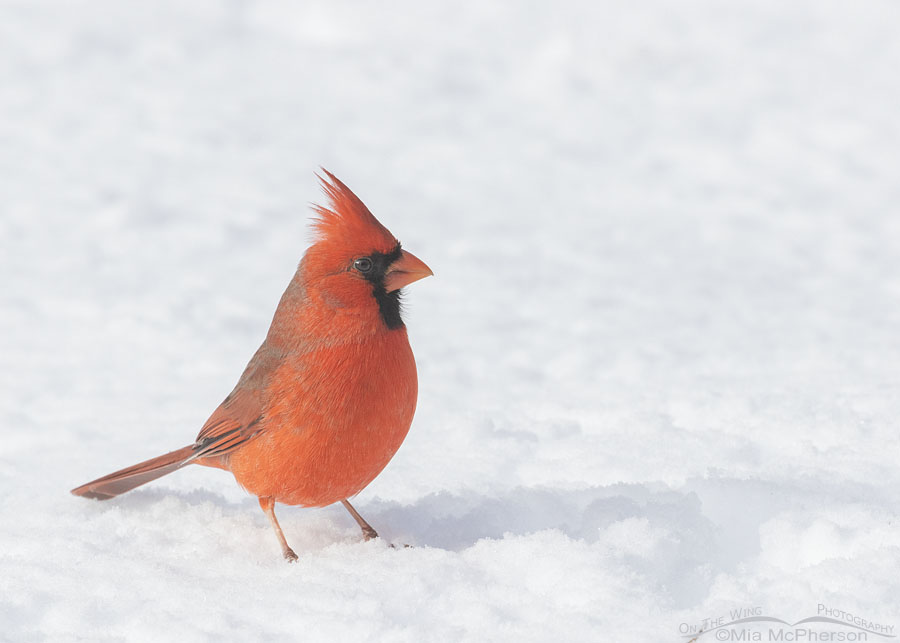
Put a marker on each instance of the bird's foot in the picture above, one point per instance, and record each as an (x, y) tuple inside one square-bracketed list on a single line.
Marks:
[(289, 555), (371, 534)]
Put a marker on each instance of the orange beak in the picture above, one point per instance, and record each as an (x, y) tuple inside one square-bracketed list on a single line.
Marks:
[(407, 269)]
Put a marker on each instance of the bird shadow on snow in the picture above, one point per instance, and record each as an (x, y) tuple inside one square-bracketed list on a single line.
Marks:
[(657, 532), (456, 521)]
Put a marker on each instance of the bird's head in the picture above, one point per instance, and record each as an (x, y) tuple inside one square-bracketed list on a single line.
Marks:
[(356, 264)]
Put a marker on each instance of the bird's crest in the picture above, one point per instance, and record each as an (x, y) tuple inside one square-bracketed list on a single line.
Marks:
[(348, 221)]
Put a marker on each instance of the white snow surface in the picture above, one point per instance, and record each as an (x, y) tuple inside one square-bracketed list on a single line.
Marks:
[(658, 361)]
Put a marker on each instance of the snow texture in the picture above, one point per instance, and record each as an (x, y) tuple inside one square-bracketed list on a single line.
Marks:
[(658, 362)]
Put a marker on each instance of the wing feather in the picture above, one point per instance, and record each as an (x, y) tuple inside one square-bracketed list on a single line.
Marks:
[(240, 417)]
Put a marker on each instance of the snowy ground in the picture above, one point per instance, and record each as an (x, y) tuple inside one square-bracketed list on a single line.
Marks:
[(658, 361)]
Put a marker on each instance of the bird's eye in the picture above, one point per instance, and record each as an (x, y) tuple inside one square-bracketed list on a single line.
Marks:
[(363, 264)]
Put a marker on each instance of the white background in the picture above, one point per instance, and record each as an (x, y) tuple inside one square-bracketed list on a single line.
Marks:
[(658, 360)]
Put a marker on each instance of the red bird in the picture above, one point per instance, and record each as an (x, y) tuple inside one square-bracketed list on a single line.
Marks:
[(328, 398)]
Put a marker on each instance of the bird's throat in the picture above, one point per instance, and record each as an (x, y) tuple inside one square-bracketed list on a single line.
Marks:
[(388, 306)]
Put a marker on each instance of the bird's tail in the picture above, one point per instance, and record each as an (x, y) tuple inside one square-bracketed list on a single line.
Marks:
[(127, 479)]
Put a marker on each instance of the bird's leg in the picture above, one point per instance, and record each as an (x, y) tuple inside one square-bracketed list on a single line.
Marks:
[(368, 532), (268, 506)]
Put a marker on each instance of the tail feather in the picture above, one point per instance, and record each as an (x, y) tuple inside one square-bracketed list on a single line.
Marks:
[(127, 479)]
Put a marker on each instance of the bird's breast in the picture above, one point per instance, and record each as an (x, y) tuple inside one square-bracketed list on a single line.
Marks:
[(334, 418)]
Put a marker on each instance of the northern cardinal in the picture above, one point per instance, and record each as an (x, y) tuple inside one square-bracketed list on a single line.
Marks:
[(329, 397)]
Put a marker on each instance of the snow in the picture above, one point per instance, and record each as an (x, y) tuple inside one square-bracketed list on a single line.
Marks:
[(658, 360)]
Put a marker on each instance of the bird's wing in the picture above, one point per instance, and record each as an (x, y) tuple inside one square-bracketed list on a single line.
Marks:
[(227, 428), (241, 417)]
